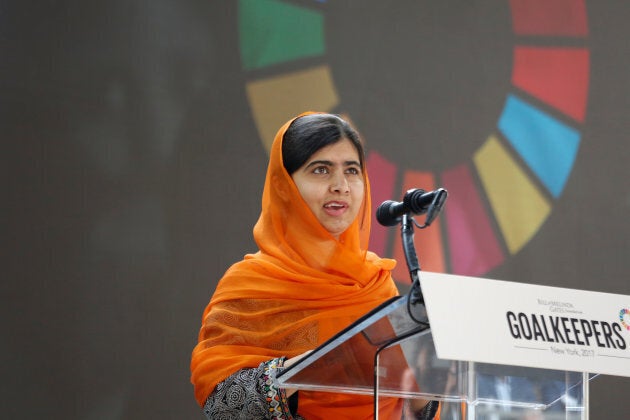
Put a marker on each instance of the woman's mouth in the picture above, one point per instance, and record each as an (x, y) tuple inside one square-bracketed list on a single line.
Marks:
[(335, 208)]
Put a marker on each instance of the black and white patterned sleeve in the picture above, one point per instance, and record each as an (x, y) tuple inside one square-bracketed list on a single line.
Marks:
[(250, 394), (428, 412)]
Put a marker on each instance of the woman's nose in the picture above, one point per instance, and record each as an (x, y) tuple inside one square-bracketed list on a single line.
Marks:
[(339, 183)]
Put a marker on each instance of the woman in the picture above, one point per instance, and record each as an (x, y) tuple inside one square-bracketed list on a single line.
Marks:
[(311, 277)]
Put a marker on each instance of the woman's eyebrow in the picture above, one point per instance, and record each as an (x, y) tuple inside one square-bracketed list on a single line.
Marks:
[(320, 162), (330, 163)]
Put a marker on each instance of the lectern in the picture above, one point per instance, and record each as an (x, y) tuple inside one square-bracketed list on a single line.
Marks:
[(388, 353), (508, 350)]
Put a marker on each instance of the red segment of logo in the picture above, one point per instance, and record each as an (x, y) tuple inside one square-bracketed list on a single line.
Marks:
[(382, 181), (549, 17), (556, 76)]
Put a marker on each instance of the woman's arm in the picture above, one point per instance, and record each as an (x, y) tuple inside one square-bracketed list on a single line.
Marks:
[(251, 394), (425, 412)]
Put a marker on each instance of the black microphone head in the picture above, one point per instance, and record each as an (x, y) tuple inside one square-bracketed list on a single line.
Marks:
[(436, 206), (384, 214), (417, 200)]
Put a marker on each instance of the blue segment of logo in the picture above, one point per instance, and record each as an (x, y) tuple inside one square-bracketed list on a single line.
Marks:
[(547, 146)]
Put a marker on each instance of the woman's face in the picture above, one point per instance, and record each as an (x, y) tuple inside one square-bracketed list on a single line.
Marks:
[(331, 183)]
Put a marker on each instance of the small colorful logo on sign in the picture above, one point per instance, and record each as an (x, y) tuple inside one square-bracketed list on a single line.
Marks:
[(624, 318)]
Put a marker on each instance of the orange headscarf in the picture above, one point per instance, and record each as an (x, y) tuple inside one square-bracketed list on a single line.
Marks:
[(301, 288)]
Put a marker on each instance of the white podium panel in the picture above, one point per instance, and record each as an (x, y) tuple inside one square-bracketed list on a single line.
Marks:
[(509, 323)]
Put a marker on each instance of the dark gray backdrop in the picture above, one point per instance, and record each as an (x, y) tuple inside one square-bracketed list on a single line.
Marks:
[(133, 172)]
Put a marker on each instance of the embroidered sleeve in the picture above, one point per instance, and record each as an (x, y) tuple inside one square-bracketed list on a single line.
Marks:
[(250, 394), (428, 411)]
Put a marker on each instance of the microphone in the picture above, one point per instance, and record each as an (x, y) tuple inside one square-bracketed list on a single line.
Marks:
[(416, 201)]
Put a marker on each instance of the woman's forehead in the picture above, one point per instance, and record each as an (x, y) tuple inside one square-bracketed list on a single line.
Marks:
[(340, 151)]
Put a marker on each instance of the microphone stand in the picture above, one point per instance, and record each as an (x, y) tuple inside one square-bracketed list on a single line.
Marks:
[(413, 264), (415, 296)]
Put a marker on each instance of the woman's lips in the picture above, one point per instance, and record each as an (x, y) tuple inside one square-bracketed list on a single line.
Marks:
[(335, 208)]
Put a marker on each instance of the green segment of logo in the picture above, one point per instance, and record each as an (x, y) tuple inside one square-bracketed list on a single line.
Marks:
[(273, 32)]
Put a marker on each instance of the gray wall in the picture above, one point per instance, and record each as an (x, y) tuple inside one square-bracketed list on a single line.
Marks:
[(133, 171)]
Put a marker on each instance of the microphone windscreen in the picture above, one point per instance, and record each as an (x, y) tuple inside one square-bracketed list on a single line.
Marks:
[(384, 215)]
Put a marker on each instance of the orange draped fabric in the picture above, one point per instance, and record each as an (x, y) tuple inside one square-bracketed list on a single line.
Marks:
[(301, 287)]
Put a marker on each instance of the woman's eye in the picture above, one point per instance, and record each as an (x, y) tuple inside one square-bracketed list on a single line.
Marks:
[(321, 170), (353, 171)]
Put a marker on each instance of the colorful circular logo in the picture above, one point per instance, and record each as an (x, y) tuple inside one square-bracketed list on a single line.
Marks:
[(502, 192), (623, 314)]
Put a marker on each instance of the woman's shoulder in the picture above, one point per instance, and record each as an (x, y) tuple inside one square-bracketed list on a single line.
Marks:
[(384, 263)]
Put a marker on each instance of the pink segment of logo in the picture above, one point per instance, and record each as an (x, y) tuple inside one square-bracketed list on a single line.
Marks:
[(622, 315)]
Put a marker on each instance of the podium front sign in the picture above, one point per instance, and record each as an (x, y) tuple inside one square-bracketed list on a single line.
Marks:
[(502, 322)]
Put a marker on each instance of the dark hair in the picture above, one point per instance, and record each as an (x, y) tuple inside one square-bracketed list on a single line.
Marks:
[(307, 134)]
